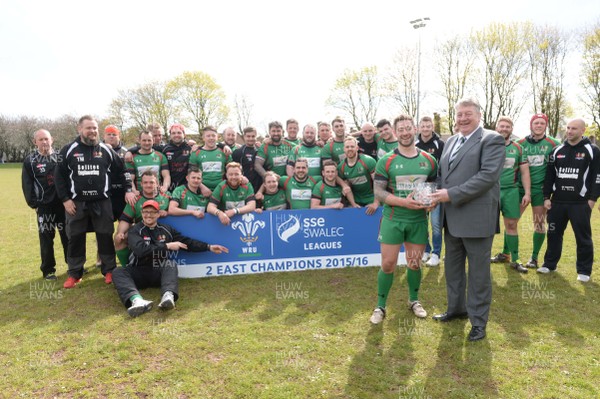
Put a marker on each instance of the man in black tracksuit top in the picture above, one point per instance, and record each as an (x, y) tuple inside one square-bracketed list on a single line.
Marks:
[(151, 264), (83, 184), (571, 188), (246, 155), (40, 193), (112, 137)]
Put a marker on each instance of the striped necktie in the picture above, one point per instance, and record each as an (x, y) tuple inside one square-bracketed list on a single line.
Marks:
[(456, 148)]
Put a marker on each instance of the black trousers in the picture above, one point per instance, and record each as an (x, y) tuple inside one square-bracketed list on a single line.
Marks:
[(50, 218), (129, 280), (558, 217), (99, 214)]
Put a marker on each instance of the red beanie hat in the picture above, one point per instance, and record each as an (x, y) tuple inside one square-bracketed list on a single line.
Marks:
[(538, 116), (111, 129)]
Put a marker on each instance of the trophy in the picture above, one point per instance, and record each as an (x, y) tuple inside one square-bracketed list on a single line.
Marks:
[(423, 193)]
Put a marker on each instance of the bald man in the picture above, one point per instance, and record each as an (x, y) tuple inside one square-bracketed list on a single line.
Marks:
[(40, 193), (571, 189)]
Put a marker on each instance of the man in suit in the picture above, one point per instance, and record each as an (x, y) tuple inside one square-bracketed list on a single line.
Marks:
[(469, 174)]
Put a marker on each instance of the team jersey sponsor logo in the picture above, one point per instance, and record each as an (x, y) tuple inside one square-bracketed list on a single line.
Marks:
[(98, 154), (301, 194), (579, 156), (280, 160), (88, 170), (509, 163), (568, 173), (409, 182), (215, 167), (195, 208), (330, 201), (234, 204), (561, 156), (142, 169), (314, 162), (355, 181), (536, 160)]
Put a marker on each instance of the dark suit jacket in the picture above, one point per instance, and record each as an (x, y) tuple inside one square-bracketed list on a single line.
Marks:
[(473, 184)]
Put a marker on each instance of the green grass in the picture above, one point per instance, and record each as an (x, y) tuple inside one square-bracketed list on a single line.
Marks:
[(231, 337)]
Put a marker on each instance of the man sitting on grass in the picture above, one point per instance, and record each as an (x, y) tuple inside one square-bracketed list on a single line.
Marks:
[(151, 264)]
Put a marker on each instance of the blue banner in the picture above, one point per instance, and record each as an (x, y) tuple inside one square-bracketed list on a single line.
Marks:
[(276, 241)]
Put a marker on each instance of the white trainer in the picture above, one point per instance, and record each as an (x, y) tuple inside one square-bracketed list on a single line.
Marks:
[(138, 307), (425, 257), (417, 309), (583, 278), (433, 261), (167, 301), (377, 316), (545, 270)]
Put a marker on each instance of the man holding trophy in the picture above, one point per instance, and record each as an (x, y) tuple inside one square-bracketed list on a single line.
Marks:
[(404, 184)]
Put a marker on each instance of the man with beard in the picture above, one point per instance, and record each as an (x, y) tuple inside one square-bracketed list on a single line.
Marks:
[(40, 193), (273, 155), (298, 188), (177, 151), (112, 137), (358, 171), (571, 189), (515, 164), (404, 219), (246, 156), (537, 148), (309, 150), (82, 183), (229, 138), (231, 197)]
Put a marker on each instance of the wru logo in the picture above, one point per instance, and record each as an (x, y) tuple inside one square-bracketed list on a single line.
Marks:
[(248, 227)]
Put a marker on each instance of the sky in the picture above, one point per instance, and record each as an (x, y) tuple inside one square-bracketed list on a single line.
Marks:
[(71, 57)]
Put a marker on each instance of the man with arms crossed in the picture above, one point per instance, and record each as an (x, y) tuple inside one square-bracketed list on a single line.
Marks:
[(404, 219), (469, 175)]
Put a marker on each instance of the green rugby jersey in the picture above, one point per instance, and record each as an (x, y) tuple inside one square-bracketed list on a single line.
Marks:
[(537, 153), (327, 194), (298, 194), (383, 147), (212, 164), (187, 199), (312, 154), (225, 197), (134, 215), (402, 175), (333, 150), (275, 202), (294, 143), (514, 159), (275, 156), (155, 161), (359, 178)]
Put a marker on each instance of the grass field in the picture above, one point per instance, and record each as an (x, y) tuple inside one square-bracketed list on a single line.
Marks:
[(236, 337)]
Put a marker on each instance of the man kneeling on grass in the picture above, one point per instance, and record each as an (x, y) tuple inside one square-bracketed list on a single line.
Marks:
[(151, 265)]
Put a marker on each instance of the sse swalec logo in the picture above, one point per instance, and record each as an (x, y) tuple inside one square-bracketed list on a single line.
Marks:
[(287, 226)]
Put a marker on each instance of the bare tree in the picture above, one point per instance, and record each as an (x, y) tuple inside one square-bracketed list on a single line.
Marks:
[(590, 73), (547, 50), (201, 97), (502, 50), (243, 112), (358, 94), (455, 66), (402, 81)]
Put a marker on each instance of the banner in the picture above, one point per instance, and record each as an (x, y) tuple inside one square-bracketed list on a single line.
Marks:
[(276, 241)]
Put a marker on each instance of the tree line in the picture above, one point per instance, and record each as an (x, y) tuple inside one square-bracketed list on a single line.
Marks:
[(505, 65)]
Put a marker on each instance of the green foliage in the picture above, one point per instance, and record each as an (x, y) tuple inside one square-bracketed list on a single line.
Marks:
[(590, 76)]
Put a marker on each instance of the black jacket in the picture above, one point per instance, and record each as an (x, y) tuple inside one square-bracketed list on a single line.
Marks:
[(573, 173), (37, 179)]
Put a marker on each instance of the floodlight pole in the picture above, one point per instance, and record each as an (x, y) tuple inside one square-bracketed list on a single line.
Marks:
[(417, 24)]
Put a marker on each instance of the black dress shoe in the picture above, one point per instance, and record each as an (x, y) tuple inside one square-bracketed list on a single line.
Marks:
[(450, 316), (477, 333)]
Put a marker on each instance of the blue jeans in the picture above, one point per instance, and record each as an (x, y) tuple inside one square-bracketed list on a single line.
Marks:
[(436, 231)]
